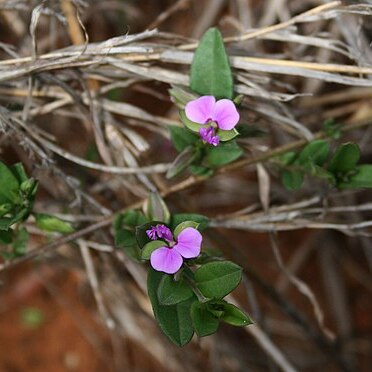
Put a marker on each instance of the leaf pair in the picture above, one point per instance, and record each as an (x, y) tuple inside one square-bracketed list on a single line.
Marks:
[(342, 170), (179, 308)]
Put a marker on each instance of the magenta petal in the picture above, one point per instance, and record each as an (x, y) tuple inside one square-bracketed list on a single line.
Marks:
[(225, 114), (189, 243), (200, 110), (166, 260)]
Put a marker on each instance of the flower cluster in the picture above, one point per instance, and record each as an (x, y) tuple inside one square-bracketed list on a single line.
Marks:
[(169, 258), (215, 115)]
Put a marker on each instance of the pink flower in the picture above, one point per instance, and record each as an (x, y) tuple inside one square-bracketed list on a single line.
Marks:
[(205, 109), (220, 115), (169, 259)]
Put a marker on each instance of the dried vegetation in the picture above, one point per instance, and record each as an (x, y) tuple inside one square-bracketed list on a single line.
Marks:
[(88, 117)]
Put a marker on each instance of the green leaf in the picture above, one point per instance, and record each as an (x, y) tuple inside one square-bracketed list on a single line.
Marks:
[(130, 218), (181, 96), (183, 226), (132, 251), (20, 242), (345, 158), (227, 135), (292, 180), (315, 152), (201, 220), (19, 172), (151, 247), (218, 279), (156, 209), (182, 137), (210, 68), (287, 158), (9, 186), (29, 188), (199, 170), (125, 238), (234, 316), (174, 320), (124, 232), (6, 237), (194, 127), (182, 161), (50, 223), (205, 323), (171, 292), (223, 154), (361, 179)]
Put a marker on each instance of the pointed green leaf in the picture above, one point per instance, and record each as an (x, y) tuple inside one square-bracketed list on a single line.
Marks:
[(361, 179), (292, 180), (156, 209), (9, 186), (171, 292), (227, 135), (205, 323), (182, 137), (174, 320), (50, 223), (210, 68), (287, 158), (218, 279), (19, 172), (124, 238), (315, 152), (223, 154), (345, 158), (234, 316), (130, 218)]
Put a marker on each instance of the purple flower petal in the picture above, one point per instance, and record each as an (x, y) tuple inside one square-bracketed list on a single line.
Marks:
[(188, 243), (200, 110), (215, 141), (208, 136), (166, 259), (225, 114), (151, 233), (164, 232)]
